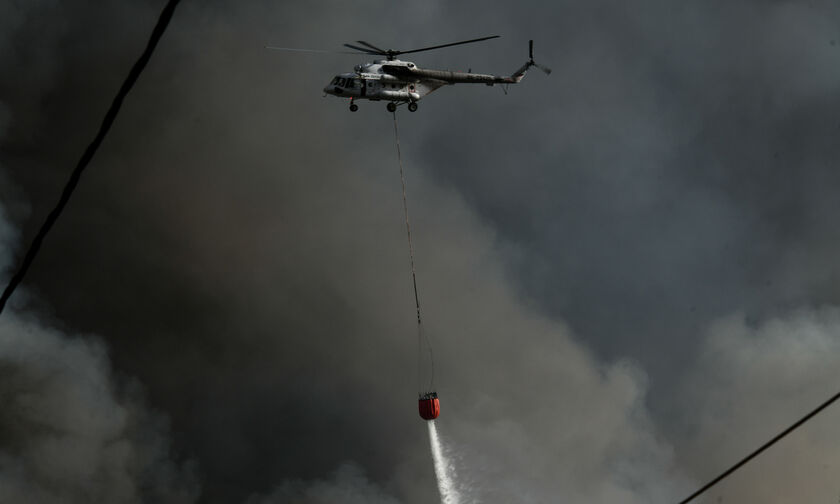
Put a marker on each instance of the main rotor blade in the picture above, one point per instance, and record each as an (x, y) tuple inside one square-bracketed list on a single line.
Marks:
[(447, 45), (383, 51), (364, 49), (309, 50)]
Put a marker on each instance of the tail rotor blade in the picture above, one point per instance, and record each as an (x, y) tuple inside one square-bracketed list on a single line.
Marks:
[(531, 61)]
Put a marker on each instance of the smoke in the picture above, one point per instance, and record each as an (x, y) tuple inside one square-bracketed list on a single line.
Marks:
[(71, 432), (676, 167), (348, 485), (752, 379), (239, 247), (8, 236)]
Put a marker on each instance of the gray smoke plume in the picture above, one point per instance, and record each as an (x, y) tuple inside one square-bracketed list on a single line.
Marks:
[(7, 237), (582, 246), (347, 485), (750, 381), (69, 432)]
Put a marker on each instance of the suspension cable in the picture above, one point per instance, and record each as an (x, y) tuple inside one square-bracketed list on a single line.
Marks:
[(421, 337)]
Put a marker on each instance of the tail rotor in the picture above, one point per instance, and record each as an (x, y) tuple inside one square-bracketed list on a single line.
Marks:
[(531, 61)]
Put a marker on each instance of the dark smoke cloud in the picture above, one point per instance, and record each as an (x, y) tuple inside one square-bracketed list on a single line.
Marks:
[(750, 381), (70, 433), (685, 153), (348, 485), (7, 237), (239, 247)]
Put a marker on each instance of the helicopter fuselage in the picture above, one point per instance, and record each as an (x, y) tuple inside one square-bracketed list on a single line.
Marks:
[(403, 82), (377, 81)]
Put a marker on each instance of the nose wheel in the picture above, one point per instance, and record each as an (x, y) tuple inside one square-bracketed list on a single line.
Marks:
[(353, 107), (392, 107), (412, 107)]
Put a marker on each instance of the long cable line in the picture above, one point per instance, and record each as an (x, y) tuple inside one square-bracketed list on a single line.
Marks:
[(87, 156), (763, 447), (407, 224), (420, 335)]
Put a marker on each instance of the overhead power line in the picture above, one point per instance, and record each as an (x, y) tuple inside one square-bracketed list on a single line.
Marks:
[(763, 447), (133, 75)]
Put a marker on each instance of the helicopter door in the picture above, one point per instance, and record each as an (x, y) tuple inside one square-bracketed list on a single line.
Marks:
[(364, 87), (370, 87)]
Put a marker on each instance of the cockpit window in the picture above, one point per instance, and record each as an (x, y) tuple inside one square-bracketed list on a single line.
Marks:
[(345, 82)]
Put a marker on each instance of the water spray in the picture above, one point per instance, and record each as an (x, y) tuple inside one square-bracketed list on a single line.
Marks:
[(444, 469)]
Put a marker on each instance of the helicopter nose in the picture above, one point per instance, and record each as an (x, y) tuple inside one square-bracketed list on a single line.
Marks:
[(327, 90)]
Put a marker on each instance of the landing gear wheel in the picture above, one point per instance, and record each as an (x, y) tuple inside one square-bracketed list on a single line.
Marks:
[(412, 107), (353, 107), (392, 107)]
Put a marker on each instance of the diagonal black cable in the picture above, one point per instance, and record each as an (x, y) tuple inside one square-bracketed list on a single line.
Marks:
[(763, 447), (133, 75)]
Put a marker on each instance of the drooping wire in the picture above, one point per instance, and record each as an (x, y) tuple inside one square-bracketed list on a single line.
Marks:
[(421, 337), (763, 447), (133, 75)]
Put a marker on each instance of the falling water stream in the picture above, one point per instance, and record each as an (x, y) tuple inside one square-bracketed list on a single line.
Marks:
[(444, 470)]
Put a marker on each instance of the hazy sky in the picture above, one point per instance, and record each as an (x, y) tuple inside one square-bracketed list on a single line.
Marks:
[(627, 268)]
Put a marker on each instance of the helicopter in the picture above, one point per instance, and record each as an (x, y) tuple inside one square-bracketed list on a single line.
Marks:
[(404, 83)]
